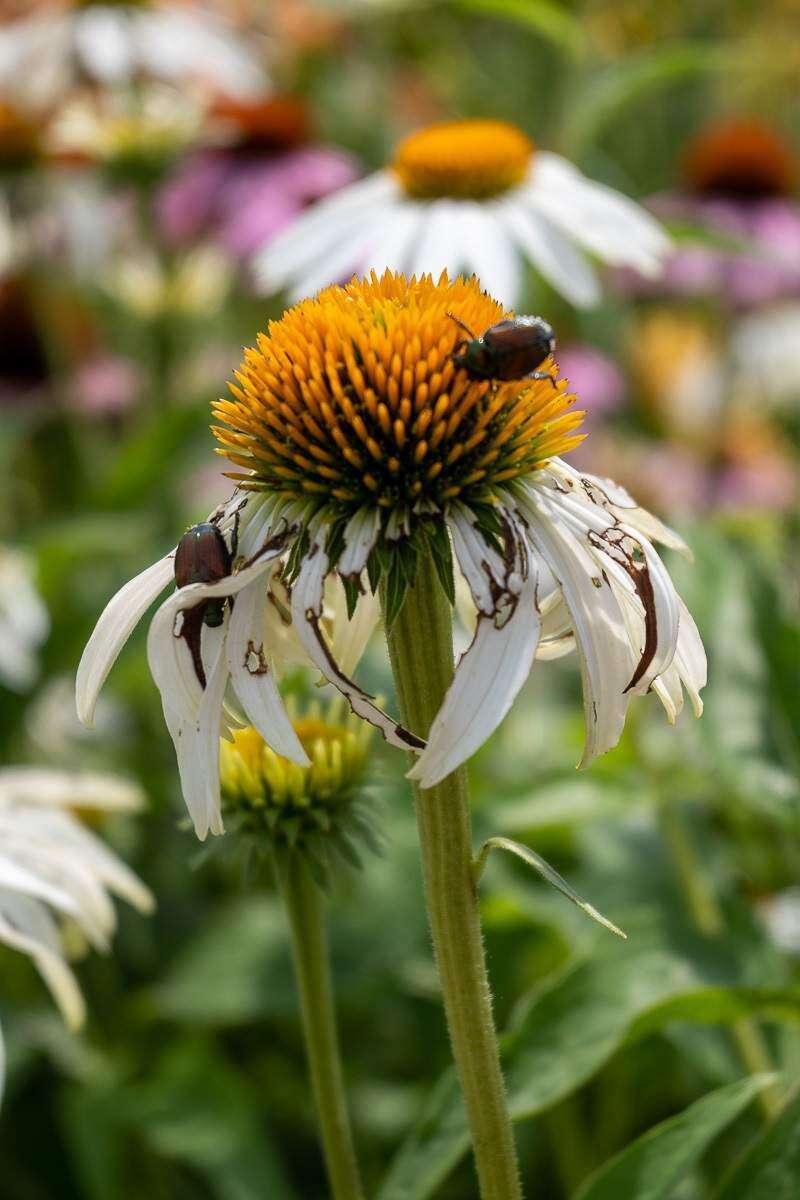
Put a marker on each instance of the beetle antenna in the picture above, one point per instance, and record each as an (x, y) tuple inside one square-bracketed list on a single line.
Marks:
[(461, 325)]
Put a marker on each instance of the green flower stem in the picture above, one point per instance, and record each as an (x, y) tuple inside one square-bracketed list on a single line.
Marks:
[(310, 952), (709, 919), (421, 650)]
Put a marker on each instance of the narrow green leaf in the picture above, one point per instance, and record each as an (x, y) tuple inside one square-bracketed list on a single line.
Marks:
[(770, 1168), (651, 1166), (627, 82), (551, 21), (548, 873), (571, 1028)]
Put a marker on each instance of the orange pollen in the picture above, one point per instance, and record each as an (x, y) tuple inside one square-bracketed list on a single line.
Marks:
[(353, 398), (463, 160)]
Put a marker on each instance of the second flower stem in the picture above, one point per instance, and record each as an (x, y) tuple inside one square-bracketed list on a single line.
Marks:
[(303, 903), (421, 650)]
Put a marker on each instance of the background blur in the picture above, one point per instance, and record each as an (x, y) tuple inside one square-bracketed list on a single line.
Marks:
[(125, 300)]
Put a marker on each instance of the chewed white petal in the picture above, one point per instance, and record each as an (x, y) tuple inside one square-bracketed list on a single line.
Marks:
[(482, 567), (551, 253), (621, 504), (688, 669), (169, 655), (486, 682), (662, 613), (252, 676), (26, 925), (360, 535), (117, 621), (601, 637), (196, 744), (307, 595)]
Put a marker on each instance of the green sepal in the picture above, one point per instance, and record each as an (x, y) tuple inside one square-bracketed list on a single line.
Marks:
[(352, 591), (395, 591), (340, 842), (442, 554)]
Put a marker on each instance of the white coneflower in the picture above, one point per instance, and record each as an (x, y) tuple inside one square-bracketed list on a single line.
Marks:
[(55, 873), (42, 56), (473, 196), (24, 623), (362, 446), (147, 126)]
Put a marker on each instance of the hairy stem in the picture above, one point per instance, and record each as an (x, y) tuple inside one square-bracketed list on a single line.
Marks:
[(421, 650), (310, 952)]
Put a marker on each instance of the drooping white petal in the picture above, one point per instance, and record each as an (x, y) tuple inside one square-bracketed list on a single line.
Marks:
[(253, 678), (687, 670), (307, 594), (487, 680), (169, 656), (17, 878), (196, 741), (550, 251), (604, 651), (117, 621), (26, 925), (45, 786)]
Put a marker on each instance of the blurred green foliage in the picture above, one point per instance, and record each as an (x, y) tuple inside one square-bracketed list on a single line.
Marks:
[(189, 1080)]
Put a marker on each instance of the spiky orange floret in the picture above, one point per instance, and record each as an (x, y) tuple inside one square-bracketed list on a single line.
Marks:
[(353, 398), (464, 159)]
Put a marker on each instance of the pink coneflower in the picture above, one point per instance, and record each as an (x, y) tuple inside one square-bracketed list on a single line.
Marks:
[(261, 175), (738, 181)]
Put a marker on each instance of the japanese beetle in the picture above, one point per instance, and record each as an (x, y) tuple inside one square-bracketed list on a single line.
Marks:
[(511, 349), (202, 556)]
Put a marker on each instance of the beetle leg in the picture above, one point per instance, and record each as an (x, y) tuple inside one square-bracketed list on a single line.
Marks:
[(235, 535), (470, 335), (545, 375)]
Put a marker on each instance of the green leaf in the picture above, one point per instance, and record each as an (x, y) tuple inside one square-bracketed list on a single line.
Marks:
[(197, 1110), (570, 1029), (650, 1167), (237, 969), (770, 1168), (551, 21), (548, 873), (629, 81)]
